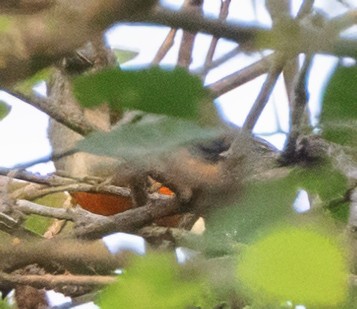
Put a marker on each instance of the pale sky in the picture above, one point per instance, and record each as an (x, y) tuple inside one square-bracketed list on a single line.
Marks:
[(23, 132)]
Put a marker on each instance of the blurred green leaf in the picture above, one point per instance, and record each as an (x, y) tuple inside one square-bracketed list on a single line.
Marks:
[(26, 86), (153, 281), (40, 224), (124, 55), (5, 22), (343, 133), (301, 264), (174, 93), (37, 224), (265, 203), (321, 179), (4, 304), (328, 184), (151, 136), (261, 204), (4, 110), (339, 111)]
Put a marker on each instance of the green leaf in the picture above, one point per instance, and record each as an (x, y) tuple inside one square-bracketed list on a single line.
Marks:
[(341, 132), (124, 55), (40, 224), (174, 93), (323, 180), (328, 184), (265, 203), (4, 304), (300, 264), (4, 110), (153, 135), (5, 22), (339, 114), (151, 282), (261, 204), (26, 86)]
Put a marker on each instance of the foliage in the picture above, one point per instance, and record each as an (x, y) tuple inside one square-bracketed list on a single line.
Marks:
[(4, 305), (279, 255), (39, 224), (339, 113), (265, 203), (26, 86), (4, 110), (154, 281), (124, 55), (171, 92), (5, 23), (148, 137), (299, 264)]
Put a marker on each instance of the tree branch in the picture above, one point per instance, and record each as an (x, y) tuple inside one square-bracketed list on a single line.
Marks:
[(224, 10), (58, 184), (265, 92), (48, 281), (94, 226), (188, 38), (165, 47), (25, 6), (241, 77), (310, 40), (78, 257), (300, 99)]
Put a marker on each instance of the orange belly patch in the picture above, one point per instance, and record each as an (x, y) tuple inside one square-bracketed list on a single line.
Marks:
[(110, 204), (102, 204)]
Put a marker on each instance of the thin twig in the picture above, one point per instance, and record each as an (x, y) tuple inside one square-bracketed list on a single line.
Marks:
[(31, 208), (342, 22), (51, 180), (60, 184), (188, 38), (75, 187), (217, 62), (224, 10), (264, 93), (241, 77), (300, 100), (165, 47), (291, 68), (92, 225), (45, 159), (279, 10), (78, 123), (305, 9), (280, 13)]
